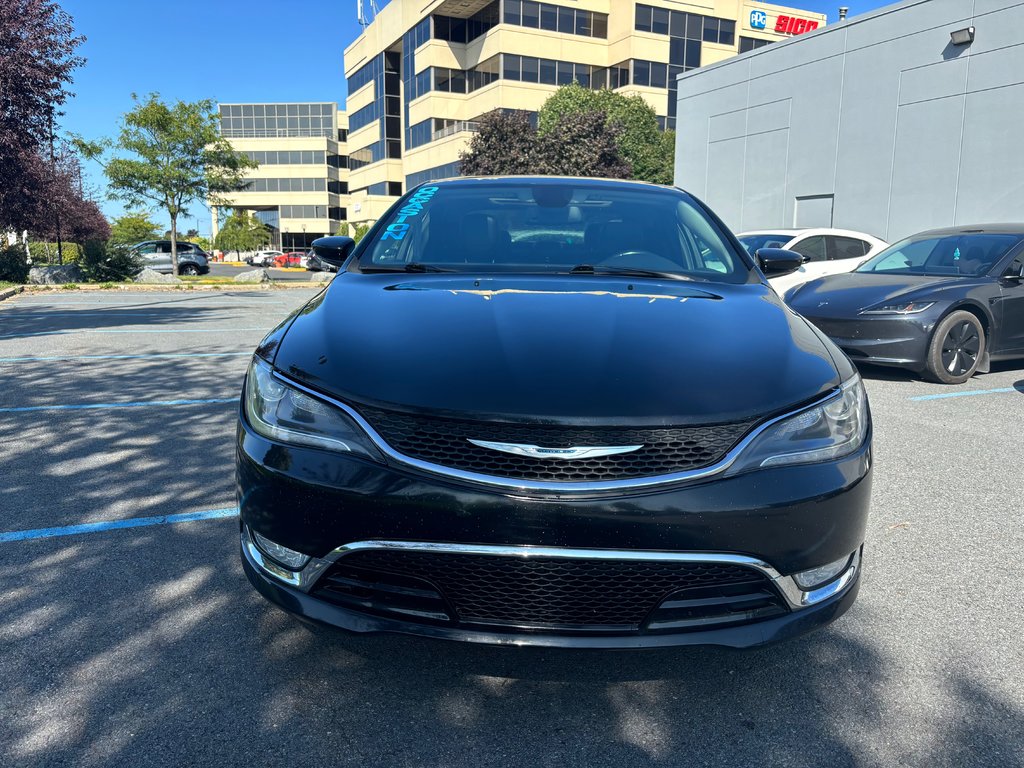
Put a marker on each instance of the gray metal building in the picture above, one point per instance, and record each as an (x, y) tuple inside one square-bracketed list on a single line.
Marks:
[(879, 123)]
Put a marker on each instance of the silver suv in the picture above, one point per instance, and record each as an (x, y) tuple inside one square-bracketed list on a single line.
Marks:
[(156, 255)]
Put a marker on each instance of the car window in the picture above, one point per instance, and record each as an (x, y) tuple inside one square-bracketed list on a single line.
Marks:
[(163, 247), (553, 227), (185, 248), (811, 248), (847, 248), (146, 248), (755, 242), (970, 254)]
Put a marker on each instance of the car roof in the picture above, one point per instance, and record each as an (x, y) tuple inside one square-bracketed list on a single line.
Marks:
[(974, 229), (472, 181), (811, 231)]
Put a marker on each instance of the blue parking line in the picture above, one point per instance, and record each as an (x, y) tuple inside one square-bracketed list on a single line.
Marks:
[(113, 525), (129, 330), (88, 406), (153, 355), (969, 393)]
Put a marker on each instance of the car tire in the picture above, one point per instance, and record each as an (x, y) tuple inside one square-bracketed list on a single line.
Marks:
[(188, 269), (956, 348)]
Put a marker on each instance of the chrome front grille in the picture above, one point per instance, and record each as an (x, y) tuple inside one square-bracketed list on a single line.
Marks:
[(446, 442)]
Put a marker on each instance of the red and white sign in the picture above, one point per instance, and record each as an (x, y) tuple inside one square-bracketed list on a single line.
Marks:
[(791, 25)]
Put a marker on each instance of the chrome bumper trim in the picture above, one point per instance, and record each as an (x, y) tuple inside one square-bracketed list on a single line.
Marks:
[(795, 597)]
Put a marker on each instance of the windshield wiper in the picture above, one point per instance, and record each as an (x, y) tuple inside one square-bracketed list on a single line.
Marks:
[(590, 269), (412, 266)]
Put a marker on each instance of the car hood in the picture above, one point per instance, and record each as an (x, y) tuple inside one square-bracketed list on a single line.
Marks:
[(562, 349), (845, 295)]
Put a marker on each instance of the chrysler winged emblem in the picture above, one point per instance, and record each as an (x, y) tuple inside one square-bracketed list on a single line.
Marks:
[(538, 452)]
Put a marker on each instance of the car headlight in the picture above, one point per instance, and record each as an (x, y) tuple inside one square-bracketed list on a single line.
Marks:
[(823, 432), (899, 308), (283, 413)]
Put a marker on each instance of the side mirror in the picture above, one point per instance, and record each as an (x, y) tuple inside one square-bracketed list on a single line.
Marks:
[(778, 261), (1014, 274), (334, 250)]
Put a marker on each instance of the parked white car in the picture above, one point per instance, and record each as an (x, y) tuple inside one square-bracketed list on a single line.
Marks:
[(825, 251)]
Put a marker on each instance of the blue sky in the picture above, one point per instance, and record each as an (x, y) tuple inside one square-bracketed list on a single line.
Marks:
[(225, 50)]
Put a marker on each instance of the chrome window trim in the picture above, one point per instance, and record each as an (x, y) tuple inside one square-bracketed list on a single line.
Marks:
[(796, 597), (538, 485)]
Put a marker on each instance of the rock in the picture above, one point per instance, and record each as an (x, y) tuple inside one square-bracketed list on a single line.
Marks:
[(253, 276), (56, 275), (321, 277), (152, 276)]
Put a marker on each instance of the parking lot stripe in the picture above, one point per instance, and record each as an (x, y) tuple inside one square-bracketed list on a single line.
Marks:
[(968, 393), (129, 330), (148, 356), (88, 406), (112, 525)]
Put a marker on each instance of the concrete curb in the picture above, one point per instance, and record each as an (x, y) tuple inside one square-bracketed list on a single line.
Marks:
[(6, 293)]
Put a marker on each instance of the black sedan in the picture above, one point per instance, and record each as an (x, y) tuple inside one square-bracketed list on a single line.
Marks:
[(943, 303), (561, 412)]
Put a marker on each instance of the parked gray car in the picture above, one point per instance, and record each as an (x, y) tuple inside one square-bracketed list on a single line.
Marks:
[(156, 255)]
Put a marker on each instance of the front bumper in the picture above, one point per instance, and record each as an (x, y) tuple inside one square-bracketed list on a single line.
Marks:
[(778, 521), (881, 339)]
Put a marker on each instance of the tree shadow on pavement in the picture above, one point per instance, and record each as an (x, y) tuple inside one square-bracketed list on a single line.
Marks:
[(150, 648)]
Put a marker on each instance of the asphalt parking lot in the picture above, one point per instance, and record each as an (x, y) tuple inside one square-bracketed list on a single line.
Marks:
[(126, 644)]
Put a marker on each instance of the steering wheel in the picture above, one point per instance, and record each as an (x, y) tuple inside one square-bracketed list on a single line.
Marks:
[(640, 260)]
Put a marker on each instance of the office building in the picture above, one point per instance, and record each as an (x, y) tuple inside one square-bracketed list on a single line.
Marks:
[(422, 72), (300, 188), (896, 121)]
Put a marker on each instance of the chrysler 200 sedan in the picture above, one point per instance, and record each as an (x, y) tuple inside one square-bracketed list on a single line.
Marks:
[(560, 412)]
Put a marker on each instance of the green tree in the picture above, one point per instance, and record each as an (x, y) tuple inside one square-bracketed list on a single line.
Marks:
[(343, 229), (648, 150), (242, 232), (171, 156), (505, 144), (582, 144), (360, 231), (133, 227)]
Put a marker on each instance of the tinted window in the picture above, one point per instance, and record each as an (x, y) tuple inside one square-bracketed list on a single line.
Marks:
[(811, 248), (847, 248), (968, 254), (753, 242), (551, 228)]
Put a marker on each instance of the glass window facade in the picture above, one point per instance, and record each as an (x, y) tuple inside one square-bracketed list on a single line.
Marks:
[(455, 30), (303, 211), (286, 185), (446, 171), (241, 121), (293, 157), (555, 18), (752, 43)]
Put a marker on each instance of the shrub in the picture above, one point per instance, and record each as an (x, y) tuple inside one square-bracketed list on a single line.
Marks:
[(13, 264), (46, 253), (103, 262), (70, 286)]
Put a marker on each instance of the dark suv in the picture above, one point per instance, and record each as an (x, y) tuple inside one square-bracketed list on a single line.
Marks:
[(560, 412), (156, 255)]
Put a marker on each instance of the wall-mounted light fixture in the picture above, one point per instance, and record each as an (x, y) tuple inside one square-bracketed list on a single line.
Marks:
[(962, 36)]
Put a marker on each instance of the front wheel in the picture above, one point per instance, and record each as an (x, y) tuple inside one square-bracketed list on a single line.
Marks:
[(956, 348), (188, 269)]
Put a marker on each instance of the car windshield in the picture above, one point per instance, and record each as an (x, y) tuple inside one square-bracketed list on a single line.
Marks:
[(545, 227), (969, 254), (755, 242)]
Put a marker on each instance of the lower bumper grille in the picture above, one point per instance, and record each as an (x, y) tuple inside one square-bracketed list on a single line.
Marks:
[(588, 595)]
